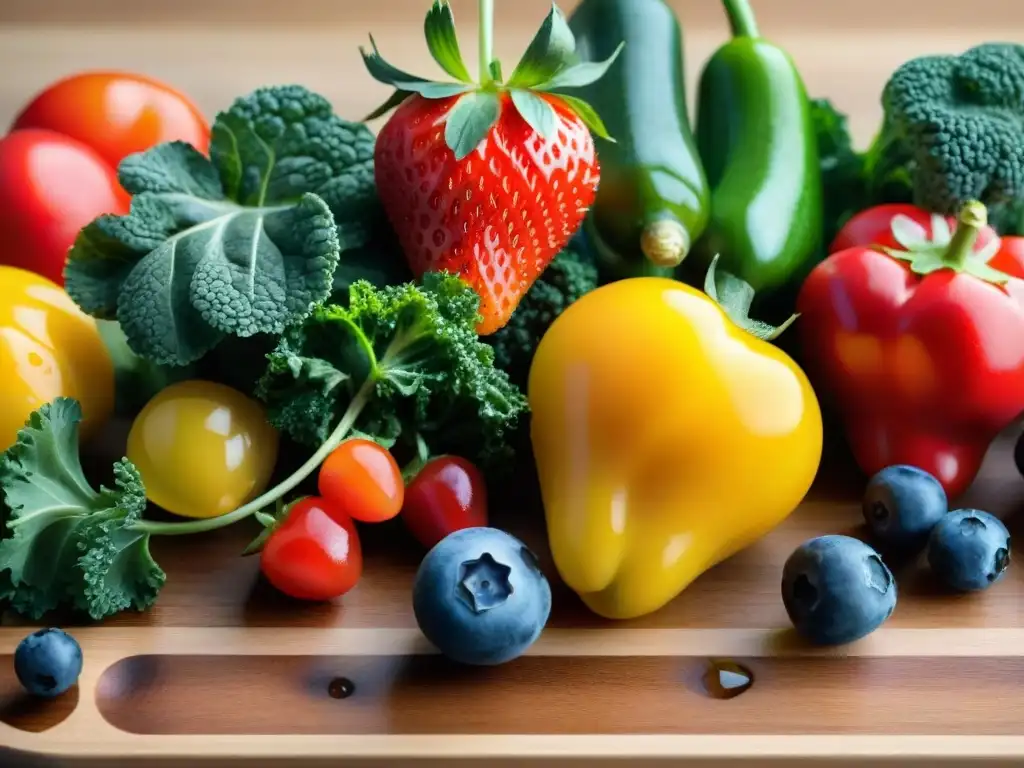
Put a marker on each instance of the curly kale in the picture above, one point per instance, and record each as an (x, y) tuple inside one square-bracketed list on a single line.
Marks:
[(569, 276), (64, 544), (402, 362), (952, 131), (240, 243)]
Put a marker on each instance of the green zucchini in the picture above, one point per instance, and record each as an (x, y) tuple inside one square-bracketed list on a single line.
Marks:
[(653, 202)]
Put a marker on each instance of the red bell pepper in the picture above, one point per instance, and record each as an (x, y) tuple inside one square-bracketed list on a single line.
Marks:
[(921, 345)]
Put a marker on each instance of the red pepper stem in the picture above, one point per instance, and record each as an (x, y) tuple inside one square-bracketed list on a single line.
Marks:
[(972, 219), (742, 21)]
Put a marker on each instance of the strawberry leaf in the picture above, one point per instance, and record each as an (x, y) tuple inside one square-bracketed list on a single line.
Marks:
[(385, 73), (393, 101), (588, 115), (536, 111), (470, 120), (550, 51), (442, 41), (579, 75)]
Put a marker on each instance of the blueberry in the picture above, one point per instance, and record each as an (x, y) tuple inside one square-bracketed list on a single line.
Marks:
[(969, 549), (901, 506), (48, 662), (480, 597), (836, 589)]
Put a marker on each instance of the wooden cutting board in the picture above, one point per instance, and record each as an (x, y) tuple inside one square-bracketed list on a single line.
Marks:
[(223, 668)]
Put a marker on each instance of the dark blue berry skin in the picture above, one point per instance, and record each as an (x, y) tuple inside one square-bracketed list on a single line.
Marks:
[(836, 589), (48, 662), (901, 506), (480, 597), (969, 550)]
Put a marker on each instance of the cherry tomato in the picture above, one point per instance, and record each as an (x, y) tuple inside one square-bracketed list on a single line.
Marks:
[(314, 553), (447, 495), (362, 479), (873, 227), (116, 113), (203, 449), (50, 187)]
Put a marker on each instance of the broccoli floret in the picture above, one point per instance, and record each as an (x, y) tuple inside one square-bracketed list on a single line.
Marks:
[(569, 276), (952, 131), (842, 167)]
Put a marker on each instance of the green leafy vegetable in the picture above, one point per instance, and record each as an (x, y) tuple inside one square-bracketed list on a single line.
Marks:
[(240, 243), (950, 134), (64, 544), (842, 168), (400, 363), (570, 275)]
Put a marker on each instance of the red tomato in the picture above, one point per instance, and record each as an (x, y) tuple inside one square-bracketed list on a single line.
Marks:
[(873, 227), (116, 113), (447, 495), (362, 479), (314, 554), (50, 187)]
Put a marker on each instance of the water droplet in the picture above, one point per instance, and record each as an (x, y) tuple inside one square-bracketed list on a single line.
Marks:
[(727, 679), (341, 688)]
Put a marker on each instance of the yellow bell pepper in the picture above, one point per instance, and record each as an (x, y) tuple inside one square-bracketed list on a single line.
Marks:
[(667, 437), (48, 348)]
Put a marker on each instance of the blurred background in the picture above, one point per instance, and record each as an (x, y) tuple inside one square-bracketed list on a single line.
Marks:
[(215, 50)]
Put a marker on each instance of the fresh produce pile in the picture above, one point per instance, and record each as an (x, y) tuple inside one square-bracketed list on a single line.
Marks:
[(544, 276)]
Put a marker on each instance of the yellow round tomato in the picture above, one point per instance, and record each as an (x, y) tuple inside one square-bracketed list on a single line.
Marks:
[(203, 449), (49, 348)]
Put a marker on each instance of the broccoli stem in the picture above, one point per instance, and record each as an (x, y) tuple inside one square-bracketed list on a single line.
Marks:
[(742, 21), (972, 219), (486, 41), (355, 407)]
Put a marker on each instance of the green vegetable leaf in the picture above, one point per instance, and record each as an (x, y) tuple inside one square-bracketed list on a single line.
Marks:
[(394, 362), (64, 544), (536, 111), (385, 73), (470, 120), (735, 297), (551, 50), (580, 74), (240, 243), (588, 115), (443, 42)]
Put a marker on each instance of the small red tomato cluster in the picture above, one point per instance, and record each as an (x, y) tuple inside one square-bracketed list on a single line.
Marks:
[(314, 552), (58, 163)]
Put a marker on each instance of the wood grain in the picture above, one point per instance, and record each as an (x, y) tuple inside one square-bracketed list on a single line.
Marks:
[(561, 695)]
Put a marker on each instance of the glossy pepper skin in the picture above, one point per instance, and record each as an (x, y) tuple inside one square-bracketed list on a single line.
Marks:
[(756, 139), (667, 438), (654, 201), (921, 349)]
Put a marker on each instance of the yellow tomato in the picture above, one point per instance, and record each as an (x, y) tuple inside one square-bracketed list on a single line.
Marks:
[(49, 348), (203, 449)]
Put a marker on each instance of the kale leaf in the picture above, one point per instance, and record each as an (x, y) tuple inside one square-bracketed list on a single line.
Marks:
[(400, 362), (241, 243), (64, 544)]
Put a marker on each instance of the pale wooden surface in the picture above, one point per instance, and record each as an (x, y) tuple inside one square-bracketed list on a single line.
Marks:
[(218, 49)]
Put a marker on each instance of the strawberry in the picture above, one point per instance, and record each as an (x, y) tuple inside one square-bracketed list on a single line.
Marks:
[(488, 180)]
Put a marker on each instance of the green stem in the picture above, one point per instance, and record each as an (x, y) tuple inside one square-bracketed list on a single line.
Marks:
[(486, 40), (972, 219), (355, 407), (742, 21)]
